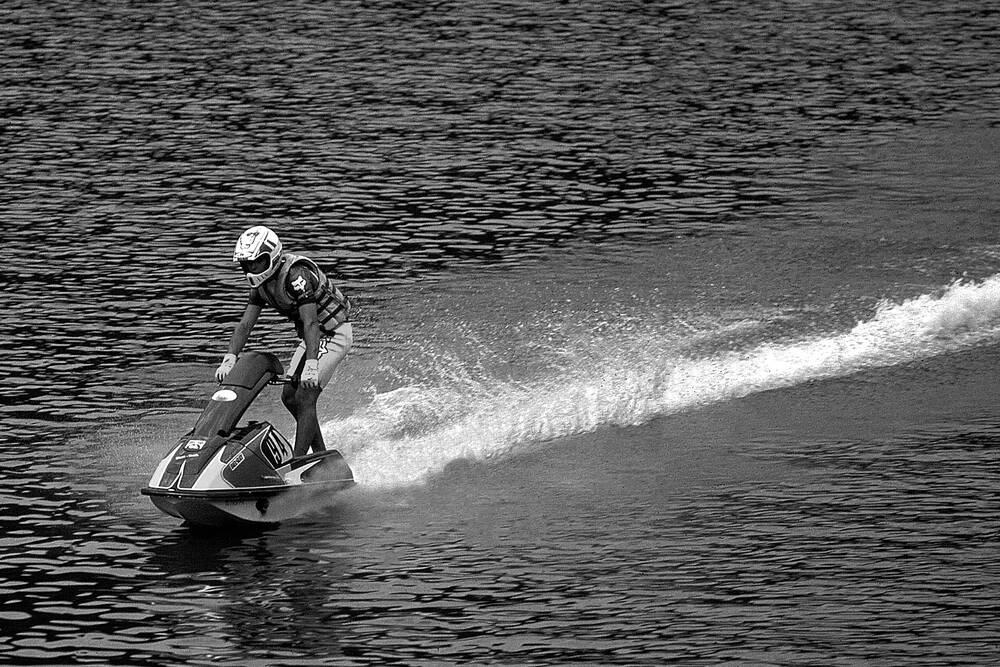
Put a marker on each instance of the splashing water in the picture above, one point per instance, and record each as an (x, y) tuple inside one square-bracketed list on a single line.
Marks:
[(409, 433)]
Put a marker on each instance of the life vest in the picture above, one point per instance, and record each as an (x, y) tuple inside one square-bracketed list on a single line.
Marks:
[(332, 307)]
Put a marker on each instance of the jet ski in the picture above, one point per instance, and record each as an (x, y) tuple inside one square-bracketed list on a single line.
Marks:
[(222, 474)]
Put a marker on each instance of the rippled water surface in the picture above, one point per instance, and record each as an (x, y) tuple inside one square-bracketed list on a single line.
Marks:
[(676, 333)]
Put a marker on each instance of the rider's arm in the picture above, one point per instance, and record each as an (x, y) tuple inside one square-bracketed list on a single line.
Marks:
[(243, 329), (310, 336), (302, 283), (310, 328), (238, 340)]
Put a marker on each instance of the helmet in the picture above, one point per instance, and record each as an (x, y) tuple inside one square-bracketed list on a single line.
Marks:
[(253, 247)]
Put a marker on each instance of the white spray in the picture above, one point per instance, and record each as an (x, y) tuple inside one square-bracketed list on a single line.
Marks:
[(409, 433)]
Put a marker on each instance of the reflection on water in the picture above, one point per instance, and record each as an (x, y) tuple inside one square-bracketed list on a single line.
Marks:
[(402, 142), (853, 550)]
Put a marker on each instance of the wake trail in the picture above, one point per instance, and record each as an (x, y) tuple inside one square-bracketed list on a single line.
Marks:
[(407, 434)]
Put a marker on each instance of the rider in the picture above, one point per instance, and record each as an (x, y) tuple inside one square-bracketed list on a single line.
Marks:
[(296, 287)]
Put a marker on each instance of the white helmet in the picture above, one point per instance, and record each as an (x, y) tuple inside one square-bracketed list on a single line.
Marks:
[(253, 246)]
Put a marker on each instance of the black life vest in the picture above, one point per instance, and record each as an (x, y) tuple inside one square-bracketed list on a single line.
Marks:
[(332, 307)]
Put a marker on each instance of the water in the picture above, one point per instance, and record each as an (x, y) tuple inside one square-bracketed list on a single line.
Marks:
[(677, 334)]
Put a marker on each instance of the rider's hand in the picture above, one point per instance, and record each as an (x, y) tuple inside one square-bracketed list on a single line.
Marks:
[(310, 374), (227, 364)]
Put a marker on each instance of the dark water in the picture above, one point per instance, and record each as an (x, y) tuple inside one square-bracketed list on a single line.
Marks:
[(678, 328)]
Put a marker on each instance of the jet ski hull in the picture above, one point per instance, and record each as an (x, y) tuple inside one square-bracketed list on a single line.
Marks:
[(261, 507)]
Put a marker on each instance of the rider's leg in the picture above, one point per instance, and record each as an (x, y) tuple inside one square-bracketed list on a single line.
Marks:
[(300, 401), (289, 400), (307, 431)]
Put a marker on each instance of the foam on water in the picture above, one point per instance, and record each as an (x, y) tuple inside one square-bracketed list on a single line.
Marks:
[(406, 434)]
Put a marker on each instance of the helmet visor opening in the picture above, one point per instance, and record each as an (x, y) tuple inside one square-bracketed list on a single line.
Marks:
[(258, 265)]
